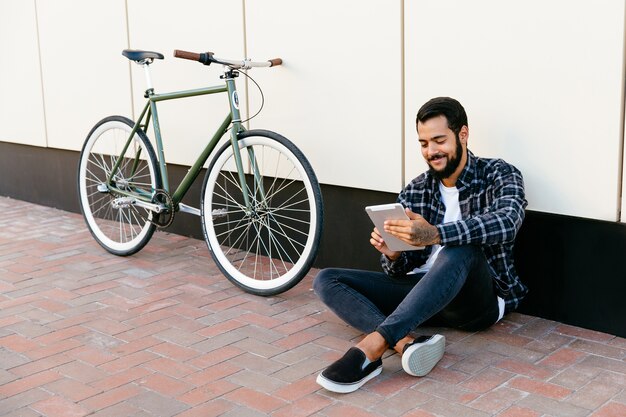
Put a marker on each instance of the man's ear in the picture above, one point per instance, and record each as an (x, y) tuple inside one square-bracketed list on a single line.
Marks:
[(464, 134)]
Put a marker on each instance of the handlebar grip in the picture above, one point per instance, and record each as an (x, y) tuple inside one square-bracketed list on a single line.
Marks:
[(275, 61), (193, 56)]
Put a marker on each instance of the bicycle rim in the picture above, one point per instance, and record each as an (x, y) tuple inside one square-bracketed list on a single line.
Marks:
[(119, 226), (269, 248)]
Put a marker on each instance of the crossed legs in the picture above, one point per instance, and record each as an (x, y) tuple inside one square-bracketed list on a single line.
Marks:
[(457, 292)]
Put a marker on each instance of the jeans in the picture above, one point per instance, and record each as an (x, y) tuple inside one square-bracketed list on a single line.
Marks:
[(457, 291)]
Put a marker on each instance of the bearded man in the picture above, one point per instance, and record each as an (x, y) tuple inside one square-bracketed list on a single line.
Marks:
[(465, 211)]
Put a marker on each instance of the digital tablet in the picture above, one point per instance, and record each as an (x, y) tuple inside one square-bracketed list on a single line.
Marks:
[(383, 212)]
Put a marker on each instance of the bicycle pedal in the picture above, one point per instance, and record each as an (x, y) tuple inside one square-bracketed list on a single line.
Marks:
[(218, 213)]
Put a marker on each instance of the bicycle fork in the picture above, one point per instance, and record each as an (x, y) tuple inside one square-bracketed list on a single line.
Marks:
[(237, 128)]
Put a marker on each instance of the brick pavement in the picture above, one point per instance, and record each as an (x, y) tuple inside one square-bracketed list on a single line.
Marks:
[(162, 333)]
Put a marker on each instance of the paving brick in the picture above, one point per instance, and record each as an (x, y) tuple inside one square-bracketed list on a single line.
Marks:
[(213, 408), (212, 373), (487, 380), (40, 365), (584, 333), (218, 355), (256, 400), (497, 400), (23, 399), (519, 412), (18, 343), (59, 407), (91, 355), (452, 393), (562, 358), (539, 388), (418, 413), (602, 349), (611, 410), (121, 378), (260, 348), (81, 371), (341, 410), (71, 389), (298, 389), (121, 409), (27, 383), (524, 368), (207, 392), (220, 328), (111, 397), (164, 384), (551, 407), (158, 405), (128, 361), (594, 394), (400, 403), (305, 406)]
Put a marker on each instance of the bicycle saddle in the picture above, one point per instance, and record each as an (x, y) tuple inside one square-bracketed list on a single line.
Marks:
[(139, 55)]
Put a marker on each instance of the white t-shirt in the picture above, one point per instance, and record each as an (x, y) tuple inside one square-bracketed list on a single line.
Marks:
[(450, 197)]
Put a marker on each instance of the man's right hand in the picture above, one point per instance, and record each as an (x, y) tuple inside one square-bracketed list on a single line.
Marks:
[(377, 241)]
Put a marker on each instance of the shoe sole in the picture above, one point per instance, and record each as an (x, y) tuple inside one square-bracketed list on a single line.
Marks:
[(343, 388), (420, 359)]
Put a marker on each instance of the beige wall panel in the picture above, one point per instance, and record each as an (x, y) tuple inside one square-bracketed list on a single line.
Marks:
[(193, 25), (542, 85), (338, 94), (85, 77), (21, 105)]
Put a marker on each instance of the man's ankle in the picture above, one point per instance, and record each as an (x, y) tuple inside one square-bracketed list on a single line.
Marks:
[(373, 345), (399, 347)]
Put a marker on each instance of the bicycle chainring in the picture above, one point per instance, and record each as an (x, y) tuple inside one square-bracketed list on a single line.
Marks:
[(166, 217)]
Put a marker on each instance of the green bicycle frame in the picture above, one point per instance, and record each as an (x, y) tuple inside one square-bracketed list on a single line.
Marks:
[(150, 110)]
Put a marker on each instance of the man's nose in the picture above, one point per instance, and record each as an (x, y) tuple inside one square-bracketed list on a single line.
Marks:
[(433, 149)]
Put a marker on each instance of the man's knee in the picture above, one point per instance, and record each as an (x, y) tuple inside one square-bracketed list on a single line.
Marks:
[(460, 252), (323, 279)]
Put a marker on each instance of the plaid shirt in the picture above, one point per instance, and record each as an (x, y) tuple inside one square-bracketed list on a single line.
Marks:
[(492, 202)]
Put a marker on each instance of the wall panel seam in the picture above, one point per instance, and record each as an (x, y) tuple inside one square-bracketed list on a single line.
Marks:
[(245, 55), (43, 93), (130, 70), (402, 100), (622, 159)]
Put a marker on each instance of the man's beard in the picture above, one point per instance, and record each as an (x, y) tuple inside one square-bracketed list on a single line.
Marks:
[(452, 164)]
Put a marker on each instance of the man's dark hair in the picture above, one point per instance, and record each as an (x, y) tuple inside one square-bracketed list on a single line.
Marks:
[(444, 106)]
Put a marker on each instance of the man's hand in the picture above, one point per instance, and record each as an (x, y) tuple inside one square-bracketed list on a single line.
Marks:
[(416, 231), (377, 241)]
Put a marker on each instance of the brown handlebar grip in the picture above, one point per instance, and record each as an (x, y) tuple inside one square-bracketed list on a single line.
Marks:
[(193, 56), (275, 61)]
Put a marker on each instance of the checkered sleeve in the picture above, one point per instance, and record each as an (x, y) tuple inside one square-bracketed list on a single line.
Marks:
[(500, 222)]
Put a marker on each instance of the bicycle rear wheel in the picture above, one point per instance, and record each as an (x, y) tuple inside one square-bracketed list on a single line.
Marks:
[(118, 225), (269, 247)]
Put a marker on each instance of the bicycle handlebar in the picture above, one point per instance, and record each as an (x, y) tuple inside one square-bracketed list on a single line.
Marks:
[(207, 58)]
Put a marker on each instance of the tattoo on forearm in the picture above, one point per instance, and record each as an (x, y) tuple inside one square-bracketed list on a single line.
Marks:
[(428, 235)]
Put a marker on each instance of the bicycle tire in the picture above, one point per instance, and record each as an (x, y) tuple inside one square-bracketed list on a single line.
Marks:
[(122, 229), (270, 249)]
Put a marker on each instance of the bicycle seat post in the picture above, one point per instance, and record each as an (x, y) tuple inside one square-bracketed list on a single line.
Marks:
[(146, 69)]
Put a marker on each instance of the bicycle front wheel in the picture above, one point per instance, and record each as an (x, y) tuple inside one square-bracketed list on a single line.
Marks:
[(268, 246), (117, 224)]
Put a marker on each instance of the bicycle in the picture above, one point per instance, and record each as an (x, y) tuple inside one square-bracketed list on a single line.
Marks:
[(261, 206)]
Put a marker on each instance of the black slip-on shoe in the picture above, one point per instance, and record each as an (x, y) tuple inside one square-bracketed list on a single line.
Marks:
[(348, 374), (420, 356)]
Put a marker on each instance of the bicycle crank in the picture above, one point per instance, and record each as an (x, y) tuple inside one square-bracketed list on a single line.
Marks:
[(126, 202), (165, 217)]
